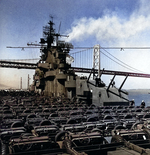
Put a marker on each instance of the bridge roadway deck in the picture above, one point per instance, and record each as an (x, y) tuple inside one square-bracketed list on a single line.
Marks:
[(23, 65), (19, 65), (110, 72)]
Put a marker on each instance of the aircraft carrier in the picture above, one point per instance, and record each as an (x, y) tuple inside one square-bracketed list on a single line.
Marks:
[(67, 114)]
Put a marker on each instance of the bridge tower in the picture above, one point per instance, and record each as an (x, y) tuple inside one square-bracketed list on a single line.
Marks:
[(96, 59)]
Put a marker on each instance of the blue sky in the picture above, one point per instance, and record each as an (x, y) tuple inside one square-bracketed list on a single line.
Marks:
[(88, 22)]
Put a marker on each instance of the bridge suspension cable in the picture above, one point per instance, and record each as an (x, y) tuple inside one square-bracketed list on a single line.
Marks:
[(121, 48), (112, 57), (121, 62)]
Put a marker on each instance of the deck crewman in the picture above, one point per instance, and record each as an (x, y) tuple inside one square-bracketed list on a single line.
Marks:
[(142, 104), (132, 102)]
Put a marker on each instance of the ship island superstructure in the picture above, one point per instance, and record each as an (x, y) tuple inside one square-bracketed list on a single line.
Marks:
[(54, 76)]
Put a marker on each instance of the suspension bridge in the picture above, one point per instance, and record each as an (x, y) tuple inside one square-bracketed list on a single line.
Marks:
[(92, 59)]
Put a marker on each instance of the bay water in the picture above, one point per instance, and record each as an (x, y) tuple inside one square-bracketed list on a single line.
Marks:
[(138, 95)]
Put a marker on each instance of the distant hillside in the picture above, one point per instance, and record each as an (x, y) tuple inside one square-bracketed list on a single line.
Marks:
[(2, 86), (138, 91)]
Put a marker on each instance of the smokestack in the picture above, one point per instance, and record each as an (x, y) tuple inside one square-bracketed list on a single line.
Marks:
[(28, 82), (21, 83)]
